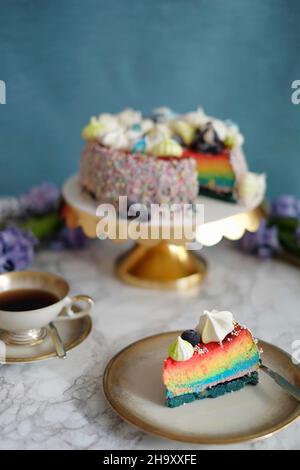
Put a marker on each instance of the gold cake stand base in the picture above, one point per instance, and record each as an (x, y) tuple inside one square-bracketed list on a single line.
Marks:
[(163, 266)]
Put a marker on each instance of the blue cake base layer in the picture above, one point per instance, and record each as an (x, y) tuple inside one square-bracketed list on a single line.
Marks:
[(223, 196), (214, 392)]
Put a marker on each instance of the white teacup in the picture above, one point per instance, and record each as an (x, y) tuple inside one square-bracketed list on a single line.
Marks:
[(28, 326)]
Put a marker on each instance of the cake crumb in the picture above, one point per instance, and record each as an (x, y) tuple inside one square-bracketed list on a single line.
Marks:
[(201, 351), (235, 332)]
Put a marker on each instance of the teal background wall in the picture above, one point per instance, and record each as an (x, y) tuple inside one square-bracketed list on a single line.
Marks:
[(64, 60)]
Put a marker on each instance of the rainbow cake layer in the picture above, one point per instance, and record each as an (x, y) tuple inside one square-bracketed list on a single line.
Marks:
[(216, 175), (214, 368)]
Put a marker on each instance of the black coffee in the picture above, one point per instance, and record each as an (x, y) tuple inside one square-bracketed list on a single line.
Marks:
[(26, 299)]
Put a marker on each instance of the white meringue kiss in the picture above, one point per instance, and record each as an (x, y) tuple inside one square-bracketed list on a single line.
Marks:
[(196, 118), (128, 117), (109, 121), (251, 189), (214, 326), (116, 139)]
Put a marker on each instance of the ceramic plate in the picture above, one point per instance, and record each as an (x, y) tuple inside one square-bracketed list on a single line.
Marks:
[(132, 384), (72, 333)]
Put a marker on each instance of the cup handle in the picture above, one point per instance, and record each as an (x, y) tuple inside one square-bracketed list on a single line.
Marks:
[(68, 313)]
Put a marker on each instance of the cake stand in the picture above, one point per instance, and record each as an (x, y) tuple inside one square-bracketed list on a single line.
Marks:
[(163, 262)]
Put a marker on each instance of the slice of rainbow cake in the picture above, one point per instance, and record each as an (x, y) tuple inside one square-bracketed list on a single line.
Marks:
[(219, 356)]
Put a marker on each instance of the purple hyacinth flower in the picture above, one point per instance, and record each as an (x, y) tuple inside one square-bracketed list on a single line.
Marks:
[(268, 236), (68, 238), (285, 206), (16, 249), (262, 243), (248, 242), (40, 199), (298, 236), (298, 208), (264, 252)]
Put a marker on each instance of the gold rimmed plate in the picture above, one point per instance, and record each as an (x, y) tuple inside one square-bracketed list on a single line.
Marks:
[(133, 386), (72, 333)]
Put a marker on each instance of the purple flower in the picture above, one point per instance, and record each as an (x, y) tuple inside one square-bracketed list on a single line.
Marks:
[(40, 199), (263, 243), (68, 238), (285, 206), (16, 249)]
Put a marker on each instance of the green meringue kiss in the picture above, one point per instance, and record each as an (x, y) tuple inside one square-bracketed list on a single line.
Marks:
[(181, 350), (184, 130), (166, 148), (93, 129)]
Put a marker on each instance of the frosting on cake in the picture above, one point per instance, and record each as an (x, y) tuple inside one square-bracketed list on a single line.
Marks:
[(107, 173), (215, 325), (208, 151), (202, 132), (252, 188), (181, 350)]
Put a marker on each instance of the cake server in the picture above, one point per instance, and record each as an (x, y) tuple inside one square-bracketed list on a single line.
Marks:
[(57, 341), (282, 382)]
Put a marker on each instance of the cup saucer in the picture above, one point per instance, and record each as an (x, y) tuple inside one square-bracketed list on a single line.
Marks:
[(72, 334)]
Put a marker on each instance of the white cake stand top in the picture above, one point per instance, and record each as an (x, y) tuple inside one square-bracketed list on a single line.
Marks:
[(221, 219)]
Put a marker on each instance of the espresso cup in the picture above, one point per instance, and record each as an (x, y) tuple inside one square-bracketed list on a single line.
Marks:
[(25, 326)]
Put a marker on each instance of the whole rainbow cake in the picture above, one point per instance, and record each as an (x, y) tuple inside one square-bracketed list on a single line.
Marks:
[(219, 356), (166, 158)]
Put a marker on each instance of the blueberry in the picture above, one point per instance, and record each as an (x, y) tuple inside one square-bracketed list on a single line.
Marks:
[(191, 336), (9, 265)]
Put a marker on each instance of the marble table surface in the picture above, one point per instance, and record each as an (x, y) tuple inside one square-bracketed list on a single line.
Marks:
[(60, 404)]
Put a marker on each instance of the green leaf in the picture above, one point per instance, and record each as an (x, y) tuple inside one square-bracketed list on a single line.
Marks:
[(287, 223), (44, 225), (289, 241)]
